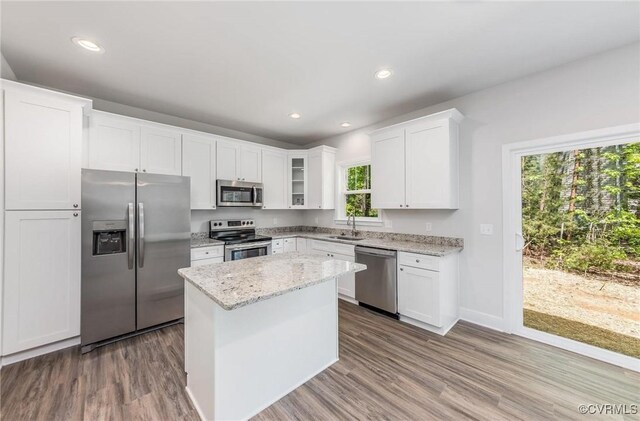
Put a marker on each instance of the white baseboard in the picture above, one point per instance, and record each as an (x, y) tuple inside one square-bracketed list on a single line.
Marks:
[(195, 403), (482, 319), (41, 350), (347, 299), (439, 330)]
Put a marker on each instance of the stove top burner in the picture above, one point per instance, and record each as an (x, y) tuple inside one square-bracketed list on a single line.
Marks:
[(235, 231)]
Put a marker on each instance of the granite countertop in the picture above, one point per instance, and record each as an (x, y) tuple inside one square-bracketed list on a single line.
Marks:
[(204, 242), (382, 243), (239, 283)]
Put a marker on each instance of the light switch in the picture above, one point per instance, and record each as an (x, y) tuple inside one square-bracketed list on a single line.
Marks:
[(486, 229), (428, 227)]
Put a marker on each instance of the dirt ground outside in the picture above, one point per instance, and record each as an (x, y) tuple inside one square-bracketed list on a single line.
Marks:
[(608, 305)]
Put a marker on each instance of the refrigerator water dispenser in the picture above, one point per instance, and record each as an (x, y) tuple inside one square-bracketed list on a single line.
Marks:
[(109, 237)]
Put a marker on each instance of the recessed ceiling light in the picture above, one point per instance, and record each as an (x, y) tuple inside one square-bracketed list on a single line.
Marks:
[(87, 45), (383, 74), (294, 115), (346, 124)]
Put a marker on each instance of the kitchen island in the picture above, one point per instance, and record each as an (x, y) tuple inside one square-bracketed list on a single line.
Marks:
[(255, 329)]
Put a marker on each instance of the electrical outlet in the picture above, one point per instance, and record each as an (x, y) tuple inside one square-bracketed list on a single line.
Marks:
[(428, 227), (486, 229), (388, 223), (275, 221)]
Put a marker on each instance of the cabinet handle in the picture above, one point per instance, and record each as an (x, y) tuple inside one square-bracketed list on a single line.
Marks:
[(136, 170), (417, 260), (402, 269), (75, 205), (406, 206), (319, 207), (144, 170), (75, 214), (400, 205)]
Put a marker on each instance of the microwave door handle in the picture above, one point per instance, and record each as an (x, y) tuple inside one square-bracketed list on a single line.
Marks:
[(140, 235), (255, 195), (131, 222)]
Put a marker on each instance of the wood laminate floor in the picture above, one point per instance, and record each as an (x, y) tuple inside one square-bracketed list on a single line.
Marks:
[(387, 370)]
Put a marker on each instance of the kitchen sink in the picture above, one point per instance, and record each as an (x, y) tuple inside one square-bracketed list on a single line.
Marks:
[(346, 237)]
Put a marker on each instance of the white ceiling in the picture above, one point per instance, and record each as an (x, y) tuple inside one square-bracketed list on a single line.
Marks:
[(246, 66)]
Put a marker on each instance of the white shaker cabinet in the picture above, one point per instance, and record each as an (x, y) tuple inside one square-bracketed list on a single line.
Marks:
[(43, 138), (415, 164), (199, 163), (114, 143), (119, 143), (289, 245), (161, 151), (41, 302), (240, 162), (321, 178), (274, 179), (301, 244)]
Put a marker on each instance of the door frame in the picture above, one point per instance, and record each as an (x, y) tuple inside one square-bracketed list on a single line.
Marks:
[(512, 228)]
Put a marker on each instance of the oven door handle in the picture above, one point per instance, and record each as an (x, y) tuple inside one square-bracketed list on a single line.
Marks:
[(235, 247)]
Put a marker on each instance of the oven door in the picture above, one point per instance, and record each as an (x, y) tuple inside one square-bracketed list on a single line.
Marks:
[(244, 251), (238, 193)]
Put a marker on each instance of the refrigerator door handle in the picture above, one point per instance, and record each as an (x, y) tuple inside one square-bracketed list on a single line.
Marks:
[(140, 235), (131, 229)]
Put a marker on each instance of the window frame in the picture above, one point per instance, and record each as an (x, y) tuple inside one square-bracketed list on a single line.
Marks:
[(340, 217)]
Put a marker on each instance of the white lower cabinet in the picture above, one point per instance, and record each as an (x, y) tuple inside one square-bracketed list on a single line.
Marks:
[(301, 244), (41, 301), (428, 289), (338, 251), (289, 245), (346, 283), (206, 255)]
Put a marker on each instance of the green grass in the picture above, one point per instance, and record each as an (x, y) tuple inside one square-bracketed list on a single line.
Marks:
[(582, 332)]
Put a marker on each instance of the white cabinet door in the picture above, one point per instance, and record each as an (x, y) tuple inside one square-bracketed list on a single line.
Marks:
[(289, 245), (43, 151), (161, 151), (419, 294), (428, 165), (114, 143), (301, 244), (314, 184), (250, 164), (274, 179), (227, 159), (388, 169), (41, 302), (199, 163), (297, 180), (346, 282)]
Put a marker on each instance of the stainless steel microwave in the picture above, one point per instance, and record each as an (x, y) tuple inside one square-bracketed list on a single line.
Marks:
[(239, 193)]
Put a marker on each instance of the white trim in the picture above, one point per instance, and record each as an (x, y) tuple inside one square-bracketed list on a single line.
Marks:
[(348, 299), (482, 319), (194, 403), (339, 218), (41, 350), (630, 363), (512, 224), (433, 329)]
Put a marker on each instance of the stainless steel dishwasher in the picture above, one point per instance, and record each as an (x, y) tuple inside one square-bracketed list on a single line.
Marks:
[(377, 287)]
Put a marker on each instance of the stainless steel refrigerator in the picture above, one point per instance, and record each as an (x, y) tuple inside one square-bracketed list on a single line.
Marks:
[(136, 231)]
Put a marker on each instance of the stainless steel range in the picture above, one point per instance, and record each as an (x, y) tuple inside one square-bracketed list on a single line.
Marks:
[(240, 239)]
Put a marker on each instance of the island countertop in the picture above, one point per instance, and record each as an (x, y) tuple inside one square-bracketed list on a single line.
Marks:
[(242, 282)]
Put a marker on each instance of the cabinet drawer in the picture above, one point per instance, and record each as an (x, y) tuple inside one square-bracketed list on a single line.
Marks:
[(207, 252), (419, 261), (333, 248), (289, 240), (203, 262)]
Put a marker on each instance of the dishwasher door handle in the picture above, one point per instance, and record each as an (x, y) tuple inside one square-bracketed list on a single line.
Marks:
[(374, 252)]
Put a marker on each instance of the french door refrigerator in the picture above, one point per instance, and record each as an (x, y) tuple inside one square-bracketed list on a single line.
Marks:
[(136, 231)]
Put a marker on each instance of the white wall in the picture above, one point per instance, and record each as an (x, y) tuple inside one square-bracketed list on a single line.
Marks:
[(264, 218), (599, 91)]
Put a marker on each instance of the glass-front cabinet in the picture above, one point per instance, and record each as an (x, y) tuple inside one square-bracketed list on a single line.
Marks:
[(298, 180)]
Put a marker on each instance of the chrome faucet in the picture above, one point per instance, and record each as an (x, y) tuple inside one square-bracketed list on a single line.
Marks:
[(352, 217)]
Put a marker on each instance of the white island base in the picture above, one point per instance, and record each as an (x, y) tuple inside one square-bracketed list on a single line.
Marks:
[(241, 361)]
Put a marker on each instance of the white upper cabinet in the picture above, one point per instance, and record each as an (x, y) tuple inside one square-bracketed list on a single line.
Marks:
[(120, 143), (321, 178), (388, 169), (250, 163), (199, 163), (274, 179), (41, 302), (43, 144), (114, 143), (161, 151), (415, 164), (240, 162)]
